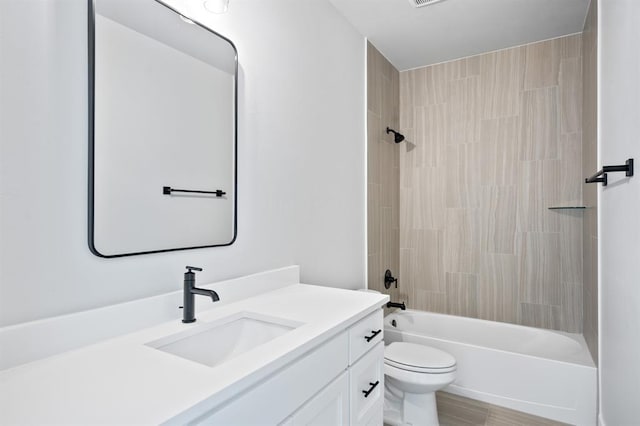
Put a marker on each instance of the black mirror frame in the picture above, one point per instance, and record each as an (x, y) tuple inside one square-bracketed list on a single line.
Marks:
[(91, 138)]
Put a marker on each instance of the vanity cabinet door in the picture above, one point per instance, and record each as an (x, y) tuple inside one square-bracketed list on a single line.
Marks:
[(329, 407), (366, 382)]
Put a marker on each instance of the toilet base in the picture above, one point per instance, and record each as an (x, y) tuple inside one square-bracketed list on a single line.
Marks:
[(403, 408)]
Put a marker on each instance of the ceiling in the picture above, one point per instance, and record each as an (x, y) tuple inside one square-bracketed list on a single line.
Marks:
[(411, 37)]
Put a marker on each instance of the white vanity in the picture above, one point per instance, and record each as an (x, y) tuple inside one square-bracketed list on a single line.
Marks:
[(293, 355)]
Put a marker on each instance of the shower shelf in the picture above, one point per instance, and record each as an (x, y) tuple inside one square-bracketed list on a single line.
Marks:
[(567, 208)]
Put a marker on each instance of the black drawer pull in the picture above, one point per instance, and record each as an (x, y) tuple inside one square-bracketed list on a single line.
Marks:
[(375, 333), (373, 386)]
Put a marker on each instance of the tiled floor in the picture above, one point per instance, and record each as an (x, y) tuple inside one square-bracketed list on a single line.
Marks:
[(454, 410)]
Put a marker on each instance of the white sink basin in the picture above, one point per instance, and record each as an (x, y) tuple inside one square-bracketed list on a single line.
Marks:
[(215, 342)]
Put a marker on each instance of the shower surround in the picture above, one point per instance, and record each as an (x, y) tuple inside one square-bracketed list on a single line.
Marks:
[(492, 141)]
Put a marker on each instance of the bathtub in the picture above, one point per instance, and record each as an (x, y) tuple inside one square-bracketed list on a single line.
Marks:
[(542, 372)]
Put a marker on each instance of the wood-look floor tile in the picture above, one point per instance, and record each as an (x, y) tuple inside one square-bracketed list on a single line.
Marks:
[(454, 410), (539, 126), (500, 416), (542, 64)]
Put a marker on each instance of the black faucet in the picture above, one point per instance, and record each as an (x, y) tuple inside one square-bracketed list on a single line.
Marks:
[(188, 314), (396, 305)]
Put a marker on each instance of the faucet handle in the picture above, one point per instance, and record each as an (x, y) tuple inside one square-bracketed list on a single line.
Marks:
[(193, 268)]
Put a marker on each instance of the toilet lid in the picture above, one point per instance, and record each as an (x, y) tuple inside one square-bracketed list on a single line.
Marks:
[(419, 358)]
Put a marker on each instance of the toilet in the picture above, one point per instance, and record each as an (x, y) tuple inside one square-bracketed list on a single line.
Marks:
[(413, 373)]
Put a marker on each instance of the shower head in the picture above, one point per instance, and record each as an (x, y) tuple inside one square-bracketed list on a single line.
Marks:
[(397, 136)]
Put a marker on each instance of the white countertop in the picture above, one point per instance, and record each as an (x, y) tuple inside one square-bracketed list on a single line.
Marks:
[(122, 380)]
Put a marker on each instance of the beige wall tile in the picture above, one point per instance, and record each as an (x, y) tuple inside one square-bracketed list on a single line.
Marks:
[(406, 100), (539, 127), (498, 219), (383, 192), (437, 90), (462, 164), (492, 142), (538, 189), (374, 268), (571, 46), (462, 294), (463, 110), (542, 64), (571, 95), (461, 241), (502, 79), (498, 287), (374, 219), (427, 198), (426, 260), (571, 179), (374, 136), (571, 313), (571, 245), (589, 166), (499, 151), (430, 135), (428, 301), (541, 316), (539, 269)]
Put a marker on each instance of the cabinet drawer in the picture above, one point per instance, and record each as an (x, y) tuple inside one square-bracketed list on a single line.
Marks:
[(364, 335), (366, 408)]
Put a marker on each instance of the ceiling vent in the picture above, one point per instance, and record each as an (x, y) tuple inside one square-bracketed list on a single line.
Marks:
[(421, 3)]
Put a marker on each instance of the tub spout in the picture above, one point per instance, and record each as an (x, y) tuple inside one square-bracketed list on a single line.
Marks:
[(396, 305)]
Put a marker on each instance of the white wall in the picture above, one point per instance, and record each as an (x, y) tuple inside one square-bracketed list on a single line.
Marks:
[(619, 229), (301, 158)]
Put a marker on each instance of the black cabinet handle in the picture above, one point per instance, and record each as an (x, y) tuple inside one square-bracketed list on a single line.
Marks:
[(375, 333), (373, 386)]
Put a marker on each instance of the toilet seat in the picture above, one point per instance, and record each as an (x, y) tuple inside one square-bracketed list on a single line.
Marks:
[(418, 358)]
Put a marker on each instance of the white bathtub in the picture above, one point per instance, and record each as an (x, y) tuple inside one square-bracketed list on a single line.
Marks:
[(541, 372)]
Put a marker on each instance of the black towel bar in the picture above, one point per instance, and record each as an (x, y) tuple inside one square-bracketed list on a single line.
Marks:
[(167, 190), (627, 168)]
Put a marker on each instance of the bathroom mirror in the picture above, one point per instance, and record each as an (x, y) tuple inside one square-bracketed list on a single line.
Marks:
[(162, 131)]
